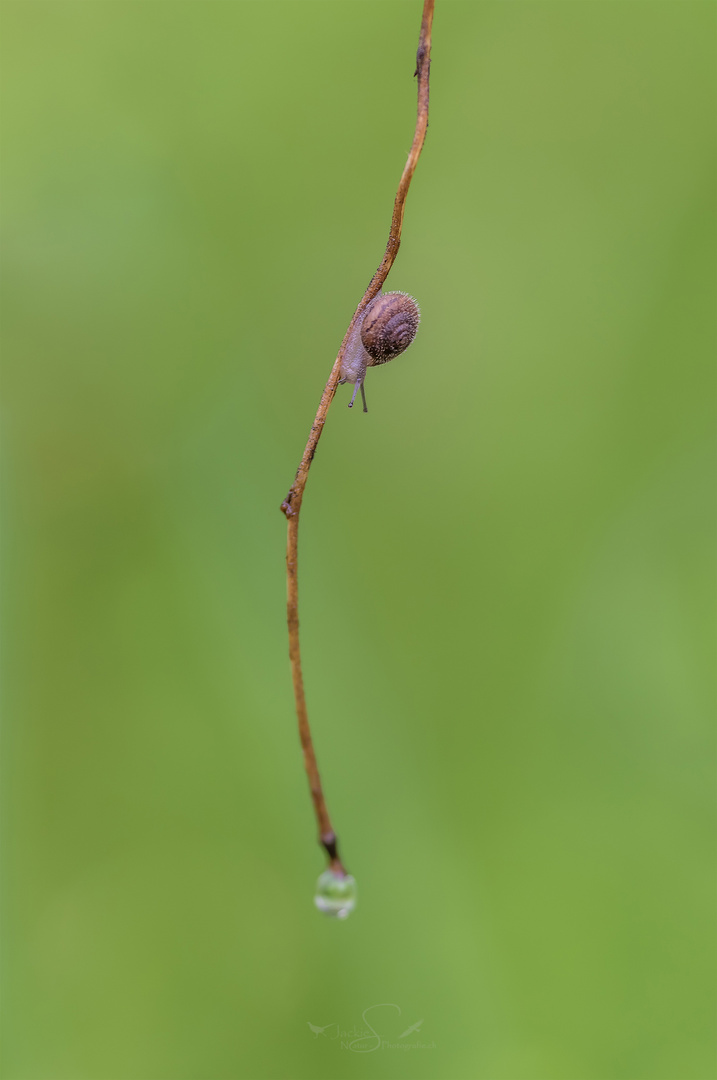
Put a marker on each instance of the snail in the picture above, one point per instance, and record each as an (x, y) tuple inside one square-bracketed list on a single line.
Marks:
[(385, 330)]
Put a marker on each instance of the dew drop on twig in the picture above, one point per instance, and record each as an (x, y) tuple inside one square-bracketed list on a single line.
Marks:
[(335, 894)]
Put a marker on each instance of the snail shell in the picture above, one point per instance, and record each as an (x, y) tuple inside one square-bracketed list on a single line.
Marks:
[(389, 326)]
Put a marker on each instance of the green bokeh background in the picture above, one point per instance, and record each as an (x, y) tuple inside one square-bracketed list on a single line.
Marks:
[(507, 571)]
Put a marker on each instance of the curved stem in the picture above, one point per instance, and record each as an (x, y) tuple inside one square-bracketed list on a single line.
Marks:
[(291, 505)]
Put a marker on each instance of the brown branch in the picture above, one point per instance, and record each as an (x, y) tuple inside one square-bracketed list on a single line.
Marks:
[(292, 503)]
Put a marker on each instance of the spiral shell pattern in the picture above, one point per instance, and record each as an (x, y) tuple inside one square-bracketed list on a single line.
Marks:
[(389, 326)]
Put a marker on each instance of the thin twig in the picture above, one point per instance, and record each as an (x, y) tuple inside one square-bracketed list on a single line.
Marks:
[(292, 503)]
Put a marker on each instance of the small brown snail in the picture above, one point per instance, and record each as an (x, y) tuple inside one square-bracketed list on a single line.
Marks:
[(386, 329)]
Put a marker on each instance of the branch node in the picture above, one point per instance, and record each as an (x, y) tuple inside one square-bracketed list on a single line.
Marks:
[(330, 843)]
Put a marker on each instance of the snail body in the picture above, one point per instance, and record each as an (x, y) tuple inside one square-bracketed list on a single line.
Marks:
[(388, 326)]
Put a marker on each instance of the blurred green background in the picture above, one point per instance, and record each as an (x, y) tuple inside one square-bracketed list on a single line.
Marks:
[(507, 571)]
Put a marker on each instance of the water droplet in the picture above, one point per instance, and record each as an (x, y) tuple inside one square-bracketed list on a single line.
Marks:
[(335, 894)]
